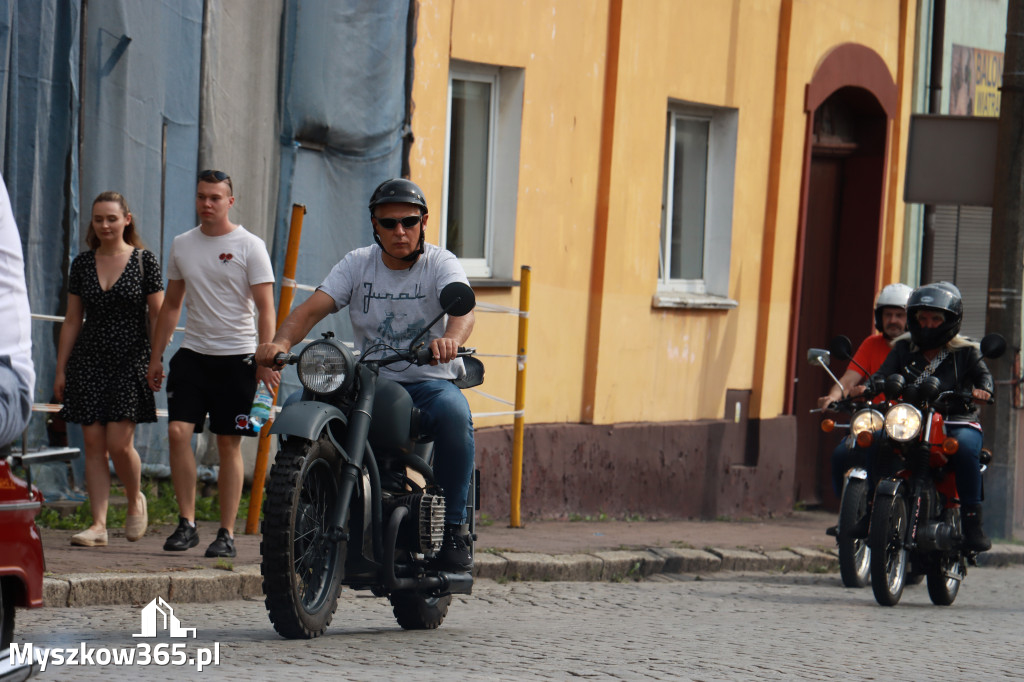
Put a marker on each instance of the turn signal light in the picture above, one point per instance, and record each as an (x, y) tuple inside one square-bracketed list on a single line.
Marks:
[(950, 446), (864, 439), (828, 425)]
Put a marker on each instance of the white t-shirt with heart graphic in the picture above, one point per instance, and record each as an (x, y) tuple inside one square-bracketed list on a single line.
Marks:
[(219, 273)]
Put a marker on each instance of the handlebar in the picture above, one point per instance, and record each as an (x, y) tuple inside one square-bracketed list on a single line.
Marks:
[(420, 356)]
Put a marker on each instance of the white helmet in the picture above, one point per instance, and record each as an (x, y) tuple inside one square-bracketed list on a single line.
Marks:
[(891, 296)]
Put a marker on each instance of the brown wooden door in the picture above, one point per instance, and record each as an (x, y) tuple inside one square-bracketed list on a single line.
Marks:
[(816, 313)]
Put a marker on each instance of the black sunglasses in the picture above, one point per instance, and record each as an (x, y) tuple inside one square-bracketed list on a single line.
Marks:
[(408, 222), (219, 176)]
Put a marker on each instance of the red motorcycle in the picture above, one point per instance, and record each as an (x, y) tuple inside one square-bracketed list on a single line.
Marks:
[(21, 563), (915, 522)]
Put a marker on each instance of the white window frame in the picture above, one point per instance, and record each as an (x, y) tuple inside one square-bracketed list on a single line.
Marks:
[(503, 141), (712, 289)]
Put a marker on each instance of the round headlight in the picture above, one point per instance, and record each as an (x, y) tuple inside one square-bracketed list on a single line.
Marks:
[(903, 422), (867, 420), (325, 366)]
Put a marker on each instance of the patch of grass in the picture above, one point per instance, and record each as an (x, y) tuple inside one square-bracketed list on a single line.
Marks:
[(800, 506), (679, 544), (161, 503), (485, 520), (224, 564), (600, 516)]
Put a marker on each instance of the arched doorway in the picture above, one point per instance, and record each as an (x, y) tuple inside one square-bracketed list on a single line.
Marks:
[(850, 103)]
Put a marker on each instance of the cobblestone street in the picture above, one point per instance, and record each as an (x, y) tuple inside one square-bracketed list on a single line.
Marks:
[(728, 626)]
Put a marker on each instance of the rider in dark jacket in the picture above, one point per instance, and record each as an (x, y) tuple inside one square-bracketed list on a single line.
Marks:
[(934, 347)]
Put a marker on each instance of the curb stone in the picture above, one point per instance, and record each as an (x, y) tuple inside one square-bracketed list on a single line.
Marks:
[(688, 560), (741, 559), (208, 585)]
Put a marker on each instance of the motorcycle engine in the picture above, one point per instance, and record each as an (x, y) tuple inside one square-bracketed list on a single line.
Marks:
[(423, 528)]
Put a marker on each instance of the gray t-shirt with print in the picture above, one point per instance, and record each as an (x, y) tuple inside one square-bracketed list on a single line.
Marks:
[(391, 307)]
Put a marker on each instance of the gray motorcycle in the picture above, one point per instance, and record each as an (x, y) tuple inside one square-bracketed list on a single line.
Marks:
[(351, 499)]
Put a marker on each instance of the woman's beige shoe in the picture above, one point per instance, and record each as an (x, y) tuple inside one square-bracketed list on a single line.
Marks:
[(90, 538), (135, 526)]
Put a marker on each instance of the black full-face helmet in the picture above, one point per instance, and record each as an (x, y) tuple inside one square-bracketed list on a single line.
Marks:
[(399, 191), (942, 297)]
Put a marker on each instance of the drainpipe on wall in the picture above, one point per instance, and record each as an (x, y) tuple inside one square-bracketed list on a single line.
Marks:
[(934, 107), (1003, 493)]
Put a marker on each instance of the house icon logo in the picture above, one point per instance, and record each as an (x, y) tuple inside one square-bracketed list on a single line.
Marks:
[(159, 614)]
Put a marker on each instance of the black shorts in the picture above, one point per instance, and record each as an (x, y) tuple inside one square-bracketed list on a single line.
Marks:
[(222, 386)]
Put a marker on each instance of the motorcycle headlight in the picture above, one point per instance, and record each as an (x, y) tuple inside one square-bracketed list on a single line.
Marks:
[(325, 367), (903, 422), (867, 420)]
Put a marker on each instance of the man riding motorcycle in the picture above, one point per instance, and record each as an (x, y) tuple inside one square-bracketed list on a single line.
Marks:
[(934, 347), (388, 282), (891, 322)]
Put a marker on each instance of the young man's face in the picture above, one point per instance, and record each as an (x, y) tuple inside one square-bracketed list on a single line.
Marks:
[(399, 241), (894, 321), (213, 201)]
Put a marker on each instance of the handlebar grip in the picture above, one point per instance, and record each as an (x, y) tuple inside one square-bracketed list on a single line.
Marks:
[(282, 359), (424, 356)]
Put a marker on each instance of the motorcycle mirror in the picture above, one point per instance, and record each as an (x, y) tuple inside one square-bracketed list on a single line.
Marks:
[(456, 299), (817, 356), (841, 347), (993, 346), (894, 385)]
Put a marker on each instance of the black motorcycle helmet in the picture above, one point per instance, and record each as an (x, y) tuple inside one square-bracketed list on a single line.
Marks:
[(944, 298), (399, 191)]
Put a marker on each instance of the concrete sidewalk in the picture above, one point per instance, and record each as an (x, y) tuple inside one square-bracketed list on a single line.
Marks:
[(135, 573)]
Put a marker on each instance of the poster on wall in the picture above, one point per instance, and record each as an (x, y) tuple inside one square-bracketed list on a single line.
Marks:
[(975, 77)]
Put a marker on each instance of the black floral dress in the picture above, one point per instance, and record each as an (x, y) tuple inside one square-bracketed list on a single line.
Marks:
[(106, 373)]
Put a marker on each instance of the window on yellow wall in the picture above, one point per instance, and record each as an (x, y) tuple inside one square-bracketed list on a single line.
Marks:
[(482, 168), (696, 228)]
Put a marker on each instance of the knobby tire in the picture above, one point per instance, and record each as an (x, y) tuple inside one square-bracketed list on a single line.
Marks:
[(302, 570)]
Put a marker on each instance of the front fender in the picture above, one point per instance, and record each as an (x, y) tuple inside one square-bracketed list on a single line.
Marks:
[(307, 419), (888, 488)]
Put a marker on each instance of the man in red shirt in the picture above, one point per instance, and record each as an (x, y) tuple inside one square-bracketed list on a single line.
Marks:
[(891, 321)]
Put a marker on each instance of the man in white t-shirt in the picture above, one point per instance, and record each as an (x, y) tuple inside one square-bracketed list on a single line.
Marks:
[(391, 290), (17, 375), (222, 274)]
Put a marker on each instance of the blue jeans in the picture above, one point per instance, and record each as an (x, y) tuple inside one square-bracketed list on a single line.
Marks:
[(15, 402), (966, 462), (846, 456), (446, 417)]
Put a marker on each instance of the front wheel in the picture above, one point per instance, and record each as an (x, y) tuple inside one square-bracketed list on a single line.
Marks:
[(415, 611), (944, 580), (888, 550), (854, 554), (302, 566)]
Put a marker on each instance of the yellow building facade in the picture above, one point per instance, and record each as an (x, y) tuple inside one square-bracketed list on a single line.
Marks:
[(689, 399)]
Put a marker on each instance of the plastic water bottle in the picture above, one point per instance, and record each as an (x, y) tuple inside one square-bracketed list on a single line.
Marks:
[(261, 404)]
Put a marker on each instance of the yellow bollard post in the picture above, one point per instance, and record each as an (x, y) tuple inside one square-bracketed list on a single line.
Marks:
[(284, 306), (517, 429)]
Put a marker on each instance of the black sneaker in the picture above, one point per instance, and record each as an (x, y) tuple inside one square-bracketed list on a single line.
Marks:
[(454, 555), (224, 545), (184, 536)]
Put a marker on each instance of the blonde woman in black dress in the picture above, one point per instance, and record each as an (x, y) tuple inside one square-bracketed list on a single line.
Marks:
[(114, 295)]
